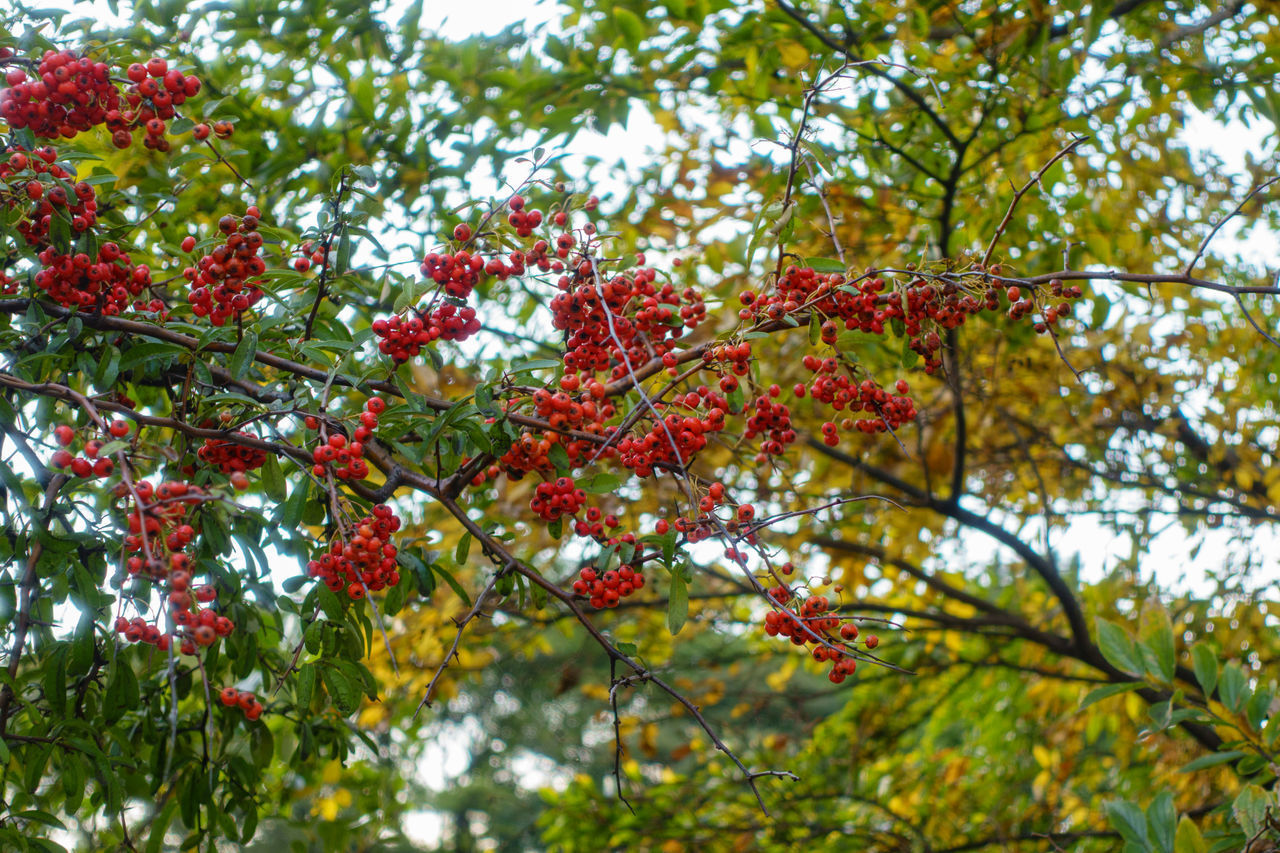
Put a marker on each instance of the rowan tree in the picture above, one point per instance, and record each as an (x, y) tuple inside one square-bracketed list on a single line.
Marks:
[(811, 482)]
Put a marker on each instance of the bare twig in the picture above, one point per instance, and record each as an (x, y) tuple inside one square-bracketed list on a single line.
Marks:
[(1017, 197), (1223, 221)]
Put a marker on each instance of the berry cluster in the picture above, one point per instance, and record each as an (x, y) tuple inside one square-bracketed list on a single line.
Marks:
[(347, 456), (230, 457), (596, 524), (524, 221), (644, 453), (606, 589), (158, 536), (558, 498), (840, 392), (69, 94), (814, 621), (223, 282), (242, 699), (106, 283), (457, 274), (45, 187), (624, 321), (366, 561), (156, 92), (90, 464), (773, 421)]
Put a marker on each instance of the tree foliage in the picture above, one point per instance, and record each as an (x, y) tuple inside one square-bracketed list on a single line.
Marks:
[(922, 338)]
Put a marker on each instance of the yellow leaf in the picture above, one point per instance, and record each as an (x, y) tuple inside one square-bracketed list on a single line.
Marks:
[(794, 55)]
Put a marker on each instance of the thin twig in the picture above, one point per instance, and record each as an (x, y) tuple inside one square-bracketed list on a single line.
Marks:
[(1035, 179), (1208, 238)]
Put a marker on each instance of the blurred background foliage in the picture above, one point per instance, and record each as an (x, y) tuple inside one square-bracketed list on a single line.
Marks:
[(1029, 503)]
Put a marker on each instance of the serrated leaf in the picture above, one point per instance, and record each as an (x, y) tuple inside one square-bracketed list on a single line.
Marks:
[(304, 687), (1250, 808), (345, 696)]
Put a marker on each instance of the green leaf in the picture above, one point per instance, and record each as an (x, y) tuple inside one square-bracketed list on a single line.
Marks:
[(453, 583), (1100, 693), (329, 603), (677, 604), (304, 687), (122, 692), (1211, 760), (462, 550), (243, 355), (1117, 648), (601, 483), (1205, 664), (273, 479), (1233, 687), (826, 265), (1129, 821), (1250, 808), (346, 698), (291, 511), (630, 25), (1162, 820), (1188, 838), (1158, 649)]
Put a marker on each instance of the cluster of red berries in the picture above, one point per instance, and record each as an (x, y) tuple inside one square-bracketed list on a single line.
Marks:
[(1021, 306), (69, 94), (90, 464), (223, 282), (404, 337), (45, 188), (346, 456), (596, 524), (154, 97), (524, 221), (557, 498), (366, 561), (839, 391), (814, 621), (457, 274), (606, 589), (242, 699), (619, 324), (773, 421), (588, 414), (158, 536), (676, 438), (230, 457), (107, 283)]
